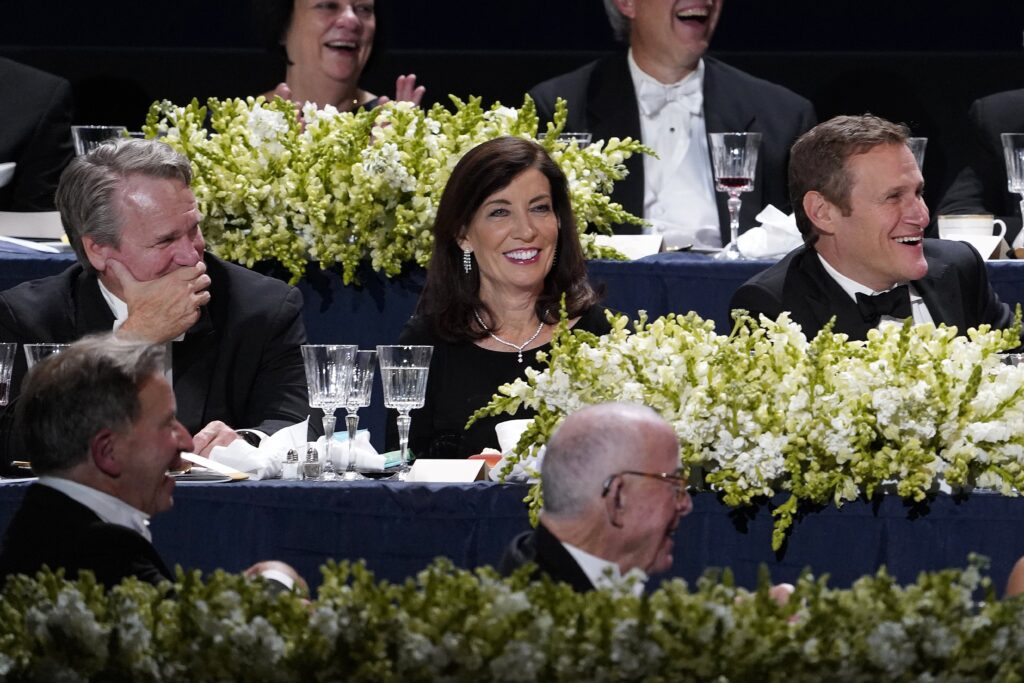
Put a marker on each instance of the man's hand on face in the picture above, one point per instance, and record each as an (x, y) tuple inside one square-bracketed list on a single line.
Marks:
[(162, 309), (214, 434)]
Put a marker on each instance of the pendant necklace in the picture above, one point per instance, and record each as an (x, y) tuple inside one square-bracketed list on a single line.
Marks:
[(509, 344)]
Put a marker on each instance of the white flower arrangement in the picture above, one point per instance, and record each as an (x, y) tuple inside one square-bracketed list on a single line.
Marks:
[(763, 411), (344, 188)]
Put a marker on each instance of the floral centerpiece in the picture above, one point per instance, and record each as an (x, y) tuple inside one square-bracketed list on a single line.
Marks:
[(453, 625), (343, 188), (765, 411)]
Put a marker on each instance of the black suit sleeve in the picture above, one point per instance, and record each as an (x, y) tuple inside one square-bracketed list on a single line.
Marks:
[(757, 300)]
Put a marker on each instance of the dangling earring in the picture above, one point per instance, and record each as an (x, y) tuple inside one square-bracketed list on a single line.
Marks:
[(554, 256), (467, 262)]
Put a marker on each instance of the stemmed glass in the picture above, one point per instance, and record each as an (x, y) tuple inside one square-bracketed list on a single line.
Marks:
[(37, 352), (1013, 153), (328, 377), (7, 350), (917, 147), (358, 397), (734, 158), (403, 370)]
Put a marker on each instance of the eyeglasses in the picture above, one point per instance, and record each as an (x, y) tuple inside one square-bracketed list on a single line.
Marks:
[(675, 479)]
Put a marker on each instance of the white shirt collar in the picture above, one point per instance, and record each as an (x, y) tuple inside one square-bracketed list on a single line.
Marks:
[(107, 507), (606, 575), (693, 80), (117, 307), (919, 310)]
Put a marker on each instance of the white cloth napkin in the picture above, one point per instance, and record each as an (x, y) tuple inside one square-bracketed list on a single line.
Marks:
[(367, 457), (526, 470), (775, 237), (263, 462)]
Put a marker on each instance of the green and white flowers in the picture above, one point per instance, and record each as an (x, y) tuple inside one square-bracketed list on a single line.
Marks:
[(763, 411), (453, 625), (343, 188)]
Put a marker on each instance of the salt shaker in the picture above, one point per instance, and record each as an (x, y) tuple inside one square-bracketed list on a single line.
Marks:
[(290, 468), (312, 468)]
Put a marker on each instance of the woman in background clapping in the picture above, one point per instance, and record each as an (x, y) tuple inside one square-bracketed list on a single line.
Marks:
[(326, 45)]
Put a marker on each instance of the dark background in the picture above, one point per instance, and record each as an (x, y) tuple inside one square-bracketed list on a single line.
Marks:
[(917, 61)]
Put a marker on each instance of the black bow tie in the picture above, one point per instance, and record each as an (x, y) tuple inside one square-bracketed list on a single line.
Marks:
[(895, 303)]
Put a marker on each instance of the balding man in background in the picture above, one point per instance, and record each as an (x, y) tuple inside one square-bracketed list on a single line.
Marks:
[(613, 497)]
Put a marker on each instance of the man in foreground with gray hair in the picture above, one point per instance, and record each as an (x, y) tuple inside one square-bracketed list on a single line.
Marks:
[(613, 497), (232, 335), (100, 424)]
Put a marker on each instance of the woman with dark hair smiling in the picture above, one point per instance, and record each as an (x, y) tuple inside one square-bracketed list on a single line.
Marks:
[(506, 251), (326, 45)]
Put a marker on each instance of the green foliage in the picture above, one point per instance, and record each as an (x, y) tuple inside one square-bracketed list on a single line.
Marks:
[(764, 411), (453, 625), (343, 188)]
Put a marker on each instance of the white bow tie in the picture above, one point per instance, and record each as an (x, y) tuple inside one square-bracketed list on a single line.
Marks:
[(654, 96)]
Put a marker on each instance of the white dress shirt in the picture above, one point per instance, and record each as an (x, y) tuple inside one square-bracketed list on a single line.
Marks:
[(108, 508), (120, 311), (679, 188), (604, 574), (918, 308)]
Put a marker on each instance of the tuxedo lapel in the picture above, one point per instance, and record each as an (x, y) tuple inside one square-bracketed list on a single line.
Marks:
[(822, 298), (727, 111), (90, 311), (194, 359), (612, 111), (940, 289)]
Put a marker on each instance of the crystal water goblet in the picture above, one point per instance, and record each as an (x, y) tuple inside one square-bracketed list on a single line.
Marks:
[(358, 397), (734, 159), (7, 350), (917, 147), (37, 352), (328, 379), (403, 371), (1013, 155)]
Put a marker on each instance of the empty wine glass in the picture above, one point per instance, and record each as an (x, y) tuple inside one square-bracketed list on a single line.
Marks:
[(328, 378), (734, 158), (403, 370), (7, 350), (1013, 154), (358, 397)]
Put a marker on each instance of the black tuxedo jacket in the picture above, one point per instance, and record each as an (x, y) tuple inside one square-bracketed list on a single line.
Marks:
[(955, 290), (602, 100), (981, 186), (53, 530), (35, 133), (240, 363), (552, 559)]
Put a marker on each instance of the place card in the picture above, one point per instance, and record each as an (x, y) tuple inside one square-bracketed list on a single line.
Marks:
[(632, 246), (447, 471)]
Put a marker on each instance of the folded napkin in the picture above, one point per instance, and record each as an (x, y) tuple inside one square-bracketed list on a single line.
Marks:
[(265, 461), (775, 237), (366, 456), (526, 470)]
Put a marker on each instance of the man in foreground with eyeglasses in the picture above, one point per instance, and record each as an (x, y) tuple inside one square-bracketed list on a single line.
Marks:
[(613, 497)]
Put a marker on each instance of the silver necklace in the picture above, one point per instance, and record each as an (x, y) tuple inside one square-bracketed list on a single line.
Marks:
[(509, 344)]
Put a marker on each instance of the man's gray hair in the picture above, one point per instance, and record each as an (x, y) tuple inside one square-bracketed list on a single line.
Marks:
[(69, 397), (591, 445), (618, 20), (86, 195)]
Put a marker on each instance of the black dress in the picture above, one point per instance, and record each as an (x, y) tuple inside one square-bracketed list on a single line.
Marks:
[(463, 378)]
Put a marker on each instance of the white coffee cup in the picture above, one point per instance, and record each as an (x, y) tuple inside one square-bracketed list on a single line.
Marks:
[(970, 225), (509, 432)]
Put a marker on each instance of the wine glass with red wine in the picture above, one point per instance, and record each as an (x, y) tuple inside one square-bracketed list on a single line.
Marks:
[(734, 158)]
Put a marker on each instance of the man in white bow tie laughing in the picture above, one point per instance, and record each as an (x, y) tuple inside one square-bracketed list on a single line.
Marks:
[(665, 92)]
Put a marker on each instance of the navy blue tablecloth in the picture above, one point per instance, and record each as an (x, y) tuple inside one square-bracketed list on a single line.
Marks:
[(399, 528)]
